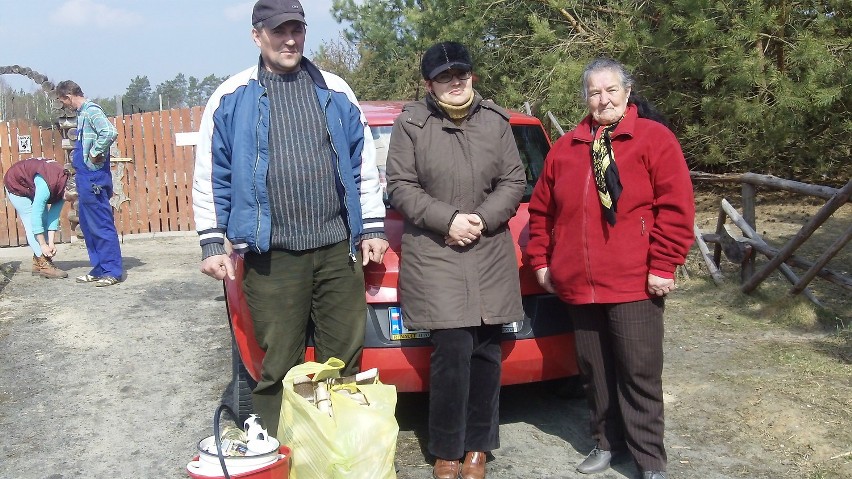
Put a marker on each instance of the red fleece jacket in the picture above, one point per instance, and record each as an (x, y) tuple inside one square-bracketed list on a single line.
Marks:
[(589, 260)]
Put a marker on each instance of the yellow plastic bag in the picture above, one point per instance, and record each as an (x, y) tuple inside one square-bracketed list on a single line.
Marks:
[(356, 442)]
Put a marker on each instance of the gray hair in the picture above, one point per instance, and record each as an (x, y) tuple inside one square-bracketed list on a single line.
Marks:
[(599, 64)]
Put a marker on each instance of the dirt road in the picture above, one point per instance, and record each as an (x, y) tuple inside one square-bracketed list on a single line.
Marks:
[(121, 382)]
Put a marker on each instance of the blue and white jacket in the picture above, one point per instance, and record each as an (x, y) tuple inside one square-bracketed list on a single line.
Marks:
[(229, 194)]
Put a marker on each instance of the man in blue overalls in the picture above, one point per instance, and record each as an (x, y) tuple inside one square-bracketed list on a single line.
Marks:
[(90, 159)]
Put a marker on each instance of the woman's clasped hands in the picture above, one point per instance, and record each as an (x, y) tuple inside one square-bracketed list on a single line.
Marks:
[(465, 229)]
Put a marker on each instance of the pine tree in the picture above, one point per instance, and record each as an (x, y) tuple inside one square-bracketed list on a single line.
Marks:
[(138, 97), (748, 85)]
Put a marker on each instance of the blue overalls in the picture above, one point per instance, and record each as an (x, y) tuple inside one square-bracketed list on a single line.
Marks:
[(94, 189)]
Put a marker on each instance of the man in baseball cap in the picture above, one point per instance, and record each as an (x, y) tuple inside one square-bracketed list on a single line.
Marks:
[(285, 170)]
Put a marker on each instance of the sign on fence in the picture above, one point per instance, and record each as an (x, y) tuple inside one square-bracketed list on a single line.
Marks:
[(25, 144)]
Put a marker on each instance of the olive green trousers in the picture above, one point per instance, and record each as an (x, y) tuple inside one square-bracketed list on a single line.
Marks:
[(285, 290)]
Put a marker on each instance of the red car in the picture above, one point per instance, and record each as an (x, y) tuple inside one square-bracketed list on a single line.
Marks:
[(541, 347)]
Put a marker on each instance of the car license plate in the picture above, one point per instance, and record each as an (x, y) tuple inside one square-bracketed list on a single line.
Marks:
[(398, 330), (512, 327)]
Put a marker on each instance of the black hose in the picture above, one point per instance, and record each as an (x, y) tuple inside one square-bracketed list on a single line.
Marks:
[(217, 437)]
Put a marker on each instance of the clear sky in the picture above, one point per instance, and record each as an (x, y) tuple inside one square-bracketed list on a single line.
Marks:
[(103, 44)]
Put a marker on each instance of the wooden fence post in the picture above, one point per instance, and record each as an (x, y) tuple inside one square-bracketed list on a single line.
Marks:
[(749, 192), (717, 250), (555, 123), (838, 200), (822, 261), (751, 233), (705, 254)]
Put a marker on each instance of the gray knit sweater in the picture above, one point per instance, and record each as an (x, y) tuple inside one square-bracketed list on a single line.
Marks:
[(303, 200)]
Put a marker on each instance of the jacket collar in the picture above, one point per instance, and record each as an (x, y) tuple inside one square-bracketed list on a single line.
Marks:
[(420, 111), (313, 71), (583, 131)]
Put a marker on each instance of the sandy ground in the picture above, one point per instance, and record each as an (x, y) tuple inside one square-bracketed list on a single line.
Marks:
[(121, 382)]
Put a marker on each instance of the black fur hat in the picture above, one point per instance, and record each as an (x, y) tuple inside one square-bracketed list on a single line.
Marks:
[(443, 56)]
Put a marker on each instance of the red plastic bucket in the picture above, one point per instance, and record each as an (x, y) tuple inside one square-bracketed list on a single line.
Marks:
[(279, 469)]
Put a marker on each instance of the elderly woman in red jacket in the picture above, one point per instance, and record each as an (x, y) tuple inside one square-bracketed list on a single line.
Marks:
[(610, 220)]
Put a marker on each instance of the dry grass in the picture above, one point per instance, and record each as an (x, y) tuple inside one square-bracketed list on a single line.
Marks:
[(781, 372)]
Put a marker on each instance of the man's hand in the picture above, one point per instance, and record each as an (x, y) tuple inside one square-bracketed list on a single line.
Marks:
[(373, 249), (97, 159), (543, 277), (464, 230), (658, 286), (218, 266)]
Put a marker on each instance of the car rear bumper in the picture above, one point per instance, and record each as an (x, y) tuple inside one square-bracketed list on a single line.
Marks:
[(524, 361), (541, 347)]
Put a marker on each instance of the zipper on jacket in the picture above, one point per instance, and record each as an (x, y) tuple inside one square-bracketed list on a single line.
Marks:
[(585, 236), (340, 178), (643, 225), (254, 171)]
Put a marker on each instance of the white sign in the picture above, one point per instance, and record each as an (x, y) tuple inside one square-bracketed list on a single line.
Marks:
[(25, 144), (189, 138)]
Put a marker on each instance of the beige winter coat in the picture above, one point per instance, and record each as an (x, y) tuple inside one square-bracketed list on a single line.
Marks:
[(435, 169)]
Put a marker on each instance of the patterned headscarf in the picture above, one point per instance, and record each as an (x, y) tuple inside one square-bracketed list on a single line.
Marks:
[(606, 172)]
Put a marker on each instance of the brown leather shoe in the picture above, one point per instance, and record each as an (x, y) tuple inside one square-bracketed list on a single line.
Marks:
[(474, 465), (445, 469), (44, 267)]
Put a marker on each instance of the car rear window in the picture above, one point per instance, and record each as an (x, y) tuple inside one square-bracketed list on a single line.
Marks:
[(381, 138), (533, 147)]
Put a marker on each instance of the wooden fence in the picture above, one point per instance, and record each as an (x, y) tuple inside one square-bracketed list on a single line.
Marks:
[(152, 175), (740, 249)]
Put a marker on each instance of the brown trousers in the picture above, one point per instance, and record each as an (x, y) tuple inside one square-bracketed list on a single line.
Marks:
[(620, 355)]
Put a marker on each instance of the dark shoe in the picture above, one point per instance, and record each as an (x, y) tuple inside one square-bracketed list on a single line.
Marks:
[(654, 475), (446, 469), (106, 281), (596, 461), (474, 465)]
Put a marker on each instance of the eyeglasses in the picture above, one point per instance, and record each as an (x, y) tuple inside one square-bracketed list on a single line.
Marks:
[(447, 76)]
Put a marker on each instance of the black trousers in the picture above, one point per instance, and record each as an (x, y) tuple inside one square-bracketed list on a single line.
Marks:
[(464, 391), (620, 355)]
